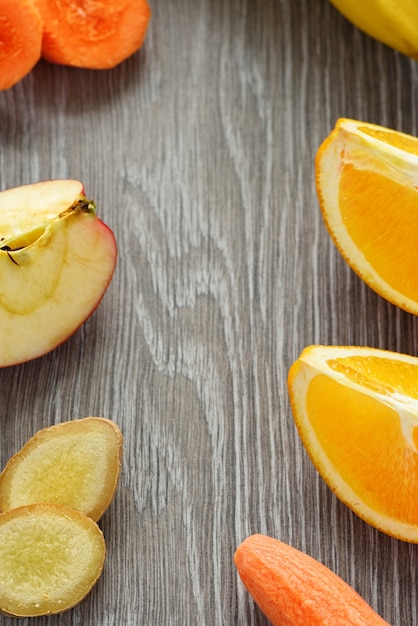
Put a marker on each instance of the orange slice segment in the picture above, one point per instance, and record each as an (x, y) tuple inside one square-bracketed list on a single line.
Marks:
[(356, 410), (367, 185)]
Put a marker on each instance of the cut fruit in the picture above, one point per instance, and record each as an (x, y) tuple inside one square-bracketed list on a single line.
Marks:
[(356, 410), (56, 261), (50, 558), (75, 463), (367, 184)]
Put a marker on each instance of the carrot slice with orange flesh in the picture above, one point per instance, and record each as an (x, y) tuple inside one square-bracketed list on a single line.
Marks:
[(20, 40), (294, 589), (93, 34)]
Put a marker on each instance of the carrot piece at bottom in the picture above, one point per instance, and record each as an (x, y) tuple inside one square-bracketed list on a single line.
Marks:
[(294, 589), (20, 40), (92, 35)]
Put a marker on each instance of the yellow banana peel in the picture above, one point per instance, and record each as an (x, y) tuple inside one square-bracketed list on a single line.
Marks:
[(392, 22)]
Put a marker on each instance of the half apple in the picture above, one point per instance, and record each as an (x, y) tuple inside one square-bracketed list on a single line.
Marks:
[(57, 259)]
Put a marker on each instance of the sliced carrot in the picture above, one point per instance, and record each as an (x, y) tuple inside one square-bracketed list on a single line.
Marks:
[(293, 589), (94, 34), (20, 40)]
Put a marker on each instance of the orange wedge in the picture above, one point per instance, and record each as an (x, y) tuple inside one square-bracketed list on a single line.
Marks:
[(356, 410), (367, 184)]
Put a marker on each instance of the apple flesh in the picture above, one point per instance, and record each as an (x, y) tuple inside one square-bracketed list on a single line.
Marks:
[(57, 259)]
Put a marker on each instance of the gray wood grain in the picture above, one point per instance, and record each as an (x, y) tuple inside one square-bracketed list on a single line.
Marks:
[(199, 153)]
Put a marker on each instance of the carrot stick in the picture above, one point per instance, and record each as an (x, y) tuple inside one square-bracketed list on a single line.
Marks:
[(20, 40), (293, 589), (94, 35)]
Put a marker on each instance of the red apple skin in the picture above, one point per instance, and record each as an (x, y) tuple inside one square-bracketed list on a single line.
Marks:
[(50, 286), (107, 233)]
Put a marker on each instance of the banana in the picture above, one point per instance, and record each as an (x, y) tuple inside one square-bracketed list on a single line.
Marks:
[(392, 22)]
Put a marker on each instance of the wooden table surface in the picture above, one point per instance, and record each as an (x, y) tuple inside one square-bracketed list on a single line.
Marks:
[(199, 151)]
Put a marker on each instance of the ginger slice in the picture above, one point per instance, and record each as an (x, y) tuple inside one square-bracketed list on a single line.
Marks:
[(50, 558), (74, 463)]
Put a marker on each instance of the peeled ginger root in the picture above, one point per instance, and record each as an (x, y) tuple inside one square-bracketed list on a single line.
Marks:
[(75, 463), (50, 558)]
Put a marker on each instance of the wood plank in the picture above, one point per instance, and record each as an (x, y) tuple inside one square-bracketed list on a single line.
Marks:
[(199, 153)]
